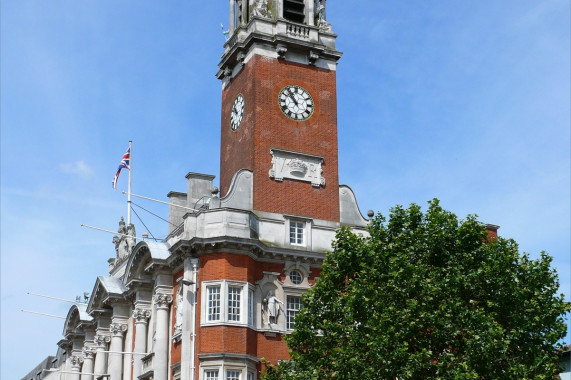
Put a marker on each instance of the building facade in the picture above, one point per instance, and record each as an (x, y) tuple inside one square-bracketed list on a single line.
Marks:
[(223, 289)]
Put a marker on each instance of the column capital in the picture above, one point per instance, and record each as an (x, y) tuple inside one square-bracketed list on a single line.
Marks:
[(101, 340), (162, 300), (141, 315), (89, 352), (118, 328), (76, 361)]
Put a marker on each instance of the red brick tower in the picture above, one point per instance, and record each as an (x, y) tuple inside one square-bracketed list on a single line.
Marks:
[(279, 106)]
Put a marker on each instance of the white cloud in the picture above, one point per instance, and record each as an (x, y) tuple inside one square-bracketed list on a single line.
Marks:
[(78, 168)]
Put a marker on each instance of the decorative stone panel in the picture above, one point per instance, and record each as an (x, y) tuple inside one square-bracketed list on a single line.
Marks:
[(297, 166)]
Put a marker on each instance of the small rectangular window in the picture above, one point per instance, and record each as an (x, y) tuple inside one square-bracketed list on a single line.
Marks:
[(234, 293), (233, 375), (211, 375), (293, 307), (296, 232), (250, 376), (213, 293)]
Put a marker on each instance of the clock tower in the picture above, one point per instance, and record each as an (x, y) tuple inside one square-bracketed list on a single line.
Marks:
[(279, 106)]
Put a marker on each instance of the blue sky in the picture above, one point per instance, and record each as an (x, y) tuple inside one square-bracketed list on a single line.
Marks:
[(467, 101)]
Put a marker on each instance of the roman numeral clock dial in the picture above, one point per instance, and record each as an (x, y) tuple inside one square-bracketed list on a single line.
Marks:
[(237, 112), (296, 102)]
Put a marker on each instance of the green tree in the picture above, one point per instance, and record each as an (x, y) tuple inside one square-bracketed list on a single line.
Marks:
[(427, 296)]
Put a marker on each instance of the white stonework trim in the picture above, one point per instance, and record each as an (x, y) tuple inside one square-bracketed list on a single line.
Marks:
[(246, 291), (307, 235), (297, 166)]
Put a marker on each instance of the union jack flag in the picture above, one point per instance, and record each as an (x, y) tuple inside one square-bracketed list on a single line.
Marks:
[(125, 163)]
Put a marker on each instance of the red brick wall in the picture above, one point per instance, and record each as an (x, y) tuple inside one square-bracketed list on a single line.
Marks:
[(492, 233), (233, 339), (264, 126)]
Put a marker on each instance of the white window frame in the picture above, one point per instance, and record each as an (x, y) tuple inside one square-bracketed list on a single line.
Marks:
[(208, 306), (239, 371), (287, 309), (210, 369), (306, 224), (246, 372), (234, 303), (246, 293), (297, 233)]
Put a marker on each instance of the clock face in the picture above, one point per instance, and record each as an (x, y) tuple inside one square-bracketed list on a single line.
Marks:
[(237, 112), (296, 103)]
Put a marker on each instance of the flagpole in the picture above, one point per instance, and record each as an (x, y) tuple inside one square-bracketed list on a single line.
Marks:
[(129, 185)]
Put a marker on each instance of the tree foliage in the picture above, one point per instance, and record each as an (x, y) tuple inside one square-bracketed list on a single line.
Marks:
[(427, 296)]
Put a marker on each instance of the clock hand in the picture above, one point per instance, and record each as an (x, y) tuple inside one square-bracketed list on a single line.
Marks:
[(292, 97)]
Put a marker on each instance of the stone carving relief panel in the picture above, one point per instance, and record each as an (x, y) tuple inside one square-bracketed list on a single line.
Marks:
[(296, 166)]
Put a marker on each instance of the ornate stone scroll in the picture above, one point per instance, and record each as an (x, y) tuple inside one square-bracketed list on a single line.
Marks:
[(162, 300), (118, 328), (76, 361), (141, 315), (102, 340), (89, 352), (297, 166)]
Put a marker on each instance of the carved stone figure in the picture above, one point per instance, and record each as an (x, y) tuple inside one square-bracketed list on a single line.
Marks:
[(122, 228), (131, 241), (125, 242), (271, 304), (320, 16), (261, 9), (178, 309)]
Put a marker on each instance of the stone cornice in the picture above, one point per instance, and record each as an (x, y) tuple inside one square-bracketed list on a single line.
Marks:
[(251, 247), (65, 344), (228, 356), (235, 47)]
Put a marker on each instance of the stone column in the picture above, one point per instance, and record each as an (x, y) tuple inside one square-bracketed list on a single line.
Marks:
[(161, 359), (232, 25), (100, 365), (115, 356), (76, 362), (87, 370), (128, 346), (141, 320)]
